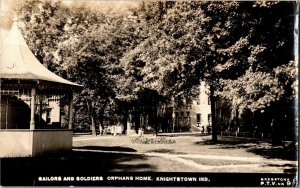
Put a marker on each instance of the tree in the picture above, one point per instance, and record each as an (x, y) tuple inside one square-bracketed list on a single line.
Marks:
[(270, 34), (218, 42), (81, 44), (98, 50), (168, 48), (42, 27)]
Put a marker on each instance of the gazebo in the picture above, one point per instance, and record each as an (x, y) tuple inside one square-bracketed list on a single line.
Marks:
[(29, 92)]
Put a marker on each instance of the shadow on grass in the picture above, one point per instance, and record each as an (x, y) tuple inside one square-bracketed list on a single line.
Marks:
[(107, 148), (166, 151), (256, 146), (284, 153), (74, 163), (230, 143), (288, 168)]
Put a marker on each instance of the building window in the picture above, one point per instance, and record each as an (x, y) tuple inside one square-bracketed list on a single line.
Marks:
[(198, 118)]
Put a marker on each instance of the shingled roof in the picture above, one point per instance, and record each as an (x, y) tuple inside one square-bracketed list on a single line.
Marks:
[(18, 62)]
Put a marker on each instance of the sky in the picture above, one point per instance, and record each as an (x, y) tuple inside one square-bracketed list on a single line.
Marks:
[(111, 4)]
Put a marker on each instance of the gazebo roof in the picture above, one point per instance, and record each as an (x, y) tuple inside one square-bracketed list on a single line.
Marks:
[(17, 62)]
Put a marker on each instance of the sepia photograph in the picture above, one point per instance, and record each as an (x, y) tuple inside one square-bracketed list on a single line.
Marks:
[(149, 93)]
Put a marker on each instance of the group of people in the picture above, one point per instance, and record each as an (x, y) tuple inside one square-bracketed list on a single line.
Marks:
[(113, 129)]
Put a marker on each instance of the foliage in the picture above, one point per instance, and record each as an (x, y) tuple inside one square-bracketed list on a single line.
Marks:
[(227, 44), (248, 92), (156, 62), (163, 49), (256, 55), (188, 43), (81, 44), (41, 26)]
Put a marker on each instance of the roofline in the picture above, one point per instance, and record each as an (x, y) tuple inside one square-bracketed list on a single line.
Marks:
[(40, 84)]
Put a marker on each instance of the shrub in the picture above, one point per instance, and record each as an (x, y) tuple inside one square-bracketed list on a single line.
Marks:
[(156, 140)]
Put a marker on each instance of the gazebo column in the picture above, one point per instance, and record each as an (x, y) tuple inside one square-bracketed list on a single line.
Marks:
[(71, 110), (41, 110), (32, 108)]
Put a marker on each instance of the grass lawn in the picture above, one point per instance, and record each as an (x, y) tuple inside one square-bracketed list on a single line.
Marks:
[(193, 145), (227, 147)]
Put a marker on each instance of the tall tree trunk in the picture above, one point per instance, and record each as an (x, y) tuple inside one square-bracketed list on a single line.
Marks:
[(94, 133), (155, 119), (277, 115), (213, 114), (101, 126), (173, 114), (101, 120)]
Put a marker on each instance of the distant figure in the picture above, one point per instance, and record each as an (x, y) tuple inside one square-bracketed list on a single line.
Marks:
[(105, 131), (141, 132), (100, 130), (113, 130), (208, 129), (202, 130)]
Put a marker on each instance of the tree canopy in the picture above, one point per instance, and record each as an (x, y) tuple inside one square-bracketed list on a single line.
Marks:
[(242, 50), (227, 44), (187, 42)]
